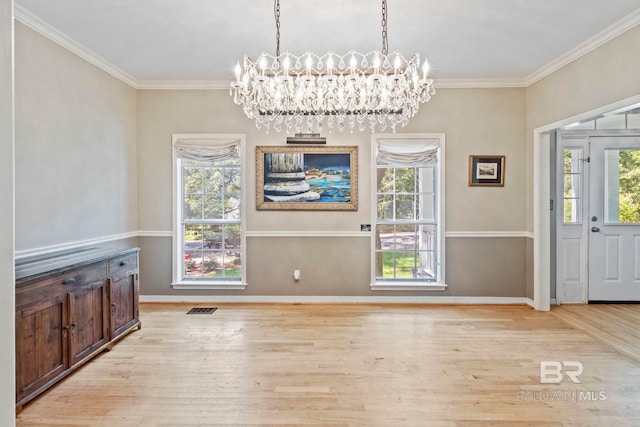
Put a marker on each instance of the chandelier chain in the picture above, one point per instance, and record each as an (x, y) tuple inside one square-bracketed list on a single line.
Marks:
[(276, 12), (385, 42)]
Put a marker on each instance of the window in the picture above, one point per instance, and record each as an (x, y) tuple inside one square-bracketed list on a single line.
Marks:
[(572, 175), (407, 242), (209, 243)]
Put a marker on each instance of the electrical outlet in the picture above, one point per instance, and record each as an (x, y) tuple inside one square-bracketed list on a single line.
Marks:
[(296, 275)]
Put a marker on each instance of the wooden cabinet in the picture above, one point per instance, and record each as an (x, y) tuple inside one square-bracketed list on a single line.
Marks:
[(123, 294), (66, 315)]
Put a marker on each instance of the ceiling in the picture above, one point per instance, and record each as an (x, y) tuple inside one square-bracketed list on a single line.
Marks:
[(201, 40)]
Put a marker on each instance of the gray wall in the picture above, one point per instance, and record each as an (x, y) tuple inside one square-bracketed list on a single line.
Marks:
[(7, 295), (75, 147), (475, 121)]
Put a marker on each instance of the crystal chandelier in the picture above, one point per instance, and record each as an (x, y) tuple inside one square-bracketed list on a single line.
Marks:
[(376, 90)]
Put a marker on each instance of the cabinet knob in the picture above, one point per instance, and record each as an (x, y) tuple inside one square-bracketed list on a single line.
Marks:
[(123, 263), (74, 324), (69, 281), (113, 304), (65, 327)]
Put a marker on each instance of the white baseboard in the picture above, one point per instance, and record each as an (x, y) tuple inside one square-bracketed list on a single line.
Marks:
[(320, 299), (531, 303)]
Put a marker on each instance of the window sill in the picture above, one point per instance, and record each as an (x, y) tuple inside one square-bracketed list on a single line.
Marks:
[(407, 286), (209, 285)]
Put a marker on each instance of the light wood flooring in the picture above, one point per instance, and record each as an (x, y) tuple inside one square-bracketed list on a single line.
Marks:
[(357, 365)]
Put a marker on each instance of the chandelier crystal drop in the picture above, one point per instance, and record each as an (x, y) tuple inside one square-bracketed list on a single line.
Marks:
[(309, 93)]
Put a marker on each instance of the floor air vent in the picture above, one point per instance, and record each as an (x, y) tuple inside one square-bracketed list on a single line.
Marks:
[(202, 310)]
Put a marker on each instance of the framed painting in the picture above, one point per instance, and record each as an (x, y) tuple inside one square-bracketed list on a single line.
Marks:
[(486, 171), (307, 178)]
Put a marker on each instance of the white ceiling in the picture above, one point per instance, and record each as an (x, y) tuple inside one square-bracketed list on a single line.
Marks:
[(201, 40)]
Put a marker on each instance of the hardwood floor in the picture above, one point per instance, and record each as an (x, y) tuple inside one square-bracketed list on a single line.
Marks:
[(360, 365)]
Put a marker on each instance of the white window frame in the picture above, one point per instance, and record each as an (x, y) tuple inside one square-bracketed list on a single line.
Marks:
[(398, 285), (179, 282)]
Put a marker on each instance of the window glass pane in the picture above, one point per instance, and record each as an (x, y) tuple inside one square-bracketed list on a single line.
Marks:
[(193, 206), (386, 236), (385, 178), (572, 186), (212, 236), (572, 193), (211, 263), (406, 263), (633, 120), (232, 252), (405, 180), (426, 207), (385, 207), (212, 180), (405, 206), (232, 181), (586, 125), (192, 251), (616, 121), (622, 186), (232, 237), (212, 206), (192, 178), (572, 163), (232, 206), (427, 180)]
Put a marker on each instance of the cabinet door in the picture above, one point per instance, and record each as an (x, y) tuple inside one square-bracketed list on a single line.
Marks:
[(41, 344), (88, 315), (124, 301)]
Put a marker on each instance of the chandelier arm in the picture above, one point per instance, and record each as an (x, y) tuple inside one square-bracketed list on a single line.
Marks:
[(385, 42), (276, 12)]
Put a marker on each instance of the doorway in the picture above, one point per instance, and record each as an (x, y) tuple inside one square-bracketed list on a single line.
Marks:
[(598, 216)]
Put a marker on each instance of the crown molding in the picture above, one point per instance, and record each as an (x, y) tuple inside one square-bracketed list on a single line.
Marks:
[(35, 23), (183, 84), (477, 83), (604, 36)]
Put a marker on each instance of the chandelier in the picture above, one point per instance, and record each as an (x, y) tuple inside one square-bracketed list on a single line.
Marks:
[(375, 90)]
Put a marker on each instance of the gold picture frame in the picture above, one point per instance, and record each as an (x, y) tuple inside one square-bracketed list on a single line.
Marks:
[(307, 178), (486, 171)]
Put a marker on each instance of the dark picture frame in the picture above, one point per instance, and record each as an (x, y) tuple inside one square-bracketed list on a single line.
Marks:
[(307, 178), (486, 171)]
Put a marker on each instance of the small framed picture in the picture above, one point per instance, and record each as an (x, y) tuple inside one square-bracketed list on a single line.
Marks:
[(486, 171)]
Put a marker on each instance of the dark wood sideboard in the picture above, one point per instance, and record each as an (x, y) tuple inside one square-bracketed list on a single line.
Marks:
[(69, 308)]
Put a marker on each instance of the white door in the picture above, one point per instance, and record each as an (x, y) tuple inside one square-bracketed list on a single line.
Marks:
[(613, 223)]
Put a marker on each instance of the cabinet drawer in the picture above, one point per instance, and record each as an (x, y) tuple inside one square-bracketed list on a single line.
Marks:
[(122, 263), (60, 283)]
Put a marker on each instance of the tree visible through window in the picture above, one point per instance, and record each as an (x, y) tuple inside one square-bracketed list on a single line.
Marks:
[(406, 222), (209, 230), (629, 186), (211, 219)]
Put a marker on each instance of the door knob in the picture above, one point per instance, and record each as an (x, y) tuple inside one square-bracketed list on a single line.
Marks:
[(595, 229)]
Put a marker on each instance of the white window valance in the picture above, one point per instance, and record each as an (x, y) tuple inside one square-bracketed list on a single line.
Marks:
[(407, 152), (207, 150)]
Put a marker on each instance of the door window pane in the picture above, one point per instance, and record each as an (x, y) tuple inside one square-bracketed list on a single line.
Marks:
[(622, 186), (572, 194)]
